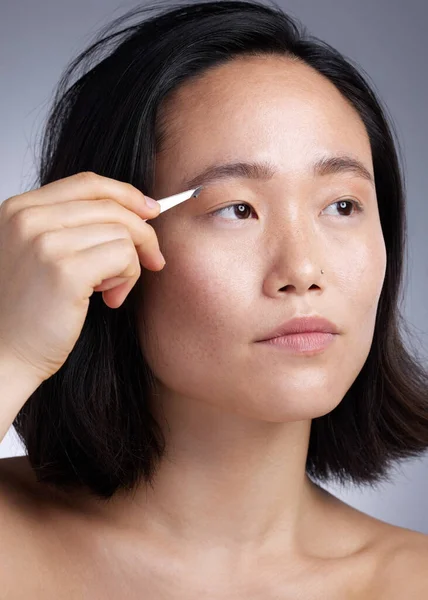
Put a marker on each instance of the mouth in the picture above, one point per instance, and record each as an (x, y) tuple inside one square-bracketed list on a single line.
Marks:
[(303, 325), (307, 342)]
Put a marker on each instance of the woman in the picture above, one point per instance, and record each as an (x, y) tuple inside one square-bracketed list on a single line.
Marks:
[(173, 451)]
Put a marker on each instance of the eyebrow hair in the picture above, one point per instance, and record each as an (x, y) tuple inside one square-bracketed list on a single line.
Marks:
[(327, 165)]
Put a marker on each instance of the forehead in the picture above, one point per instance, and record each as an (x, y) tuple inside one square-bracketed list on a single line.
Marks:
[(251, 108)]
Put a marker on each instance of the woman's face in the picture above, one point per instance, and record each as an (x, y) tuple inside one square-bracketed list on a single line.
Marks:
[(233, 275)]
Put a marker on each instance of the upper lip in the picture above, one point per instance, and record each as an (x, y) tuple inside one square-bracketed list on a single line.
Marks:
[(302, 325)]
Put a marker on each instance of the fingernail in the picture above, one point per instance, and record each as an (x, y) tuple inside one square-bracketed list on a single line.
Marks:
[(151, 203)]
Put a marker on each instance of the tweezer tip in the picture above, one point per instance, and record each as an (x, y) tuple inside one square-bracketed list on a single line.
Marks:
[(197, 191)]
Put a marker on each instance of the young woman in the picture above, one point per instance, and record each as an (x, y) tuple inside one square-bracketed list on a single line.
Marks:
[(177, 427)]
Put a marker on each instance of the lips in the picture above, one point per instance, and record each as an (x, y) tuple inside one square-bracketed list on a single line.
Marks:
[(308, 324)]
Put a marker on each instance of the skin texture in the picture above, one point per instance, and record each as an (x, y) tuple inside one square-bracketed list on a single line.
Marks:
[(237, 414), (232, 512)]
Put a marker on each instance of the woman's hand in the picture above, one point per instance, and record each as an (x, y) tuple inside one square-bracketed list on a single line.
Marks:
[(59, 244)]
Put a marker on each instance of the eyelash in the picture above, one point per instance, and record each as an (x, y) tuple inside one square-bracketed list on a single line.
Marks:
[(358, 208)]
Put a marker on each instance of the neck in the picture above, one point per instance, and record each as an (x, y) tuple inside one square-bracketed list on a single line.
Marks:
[(227, 481)]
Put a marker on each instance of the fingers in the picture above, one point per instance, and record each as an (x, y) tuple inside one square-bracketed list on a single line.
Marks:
[(73, 215), (83, 186)]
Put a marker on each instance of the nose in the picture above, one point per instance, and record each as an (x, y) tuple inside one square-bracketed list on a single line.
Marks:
[(297, 259)]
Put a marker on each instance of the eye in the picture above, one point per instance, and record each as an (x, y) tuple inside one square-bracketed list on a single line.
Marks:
[(356, 207), (241, 212)]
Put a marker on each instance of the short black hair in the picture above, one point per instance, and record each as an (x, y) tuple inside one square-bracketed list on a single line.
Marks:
[(90, 424)]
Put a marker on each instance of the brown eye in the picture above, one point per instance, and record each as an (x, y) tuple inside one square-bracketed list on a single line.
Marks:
[(241, 210), (353, 207), (237, 209)]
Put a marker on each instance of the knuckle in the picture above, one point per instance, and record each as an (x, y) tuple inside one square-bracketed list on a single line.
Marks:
[(5, 209), (107, 204), (42, 244), (87, 177), (8, 201), (129, 248), (126, 250), (125, 244), (8, 207), (117, 211), (64, 272), (21, 221), (120, 229), (137, 267)]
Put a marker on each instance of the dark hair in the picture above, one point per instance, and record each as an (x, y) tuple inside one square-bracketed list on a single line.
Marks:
[(90, 424)]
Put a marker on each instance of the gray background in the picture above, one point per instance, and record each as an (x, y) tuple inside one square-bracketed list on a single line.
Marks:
[(387, 38)]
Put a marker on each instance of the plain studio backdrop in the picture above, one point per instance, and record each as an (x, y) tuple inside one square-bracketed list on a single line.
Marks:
[(386, 38)]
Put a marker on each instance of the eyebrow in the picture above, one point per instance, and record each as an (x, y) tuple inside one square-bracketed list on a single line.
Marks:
[(327, 165)]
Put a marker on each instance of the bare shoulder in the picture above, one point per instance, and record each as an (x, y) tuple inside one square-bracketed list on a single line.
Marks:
[(408, 568), (404, 568), (23, 501), (28, 547), (23, 498), (17, 522), (391, 561)]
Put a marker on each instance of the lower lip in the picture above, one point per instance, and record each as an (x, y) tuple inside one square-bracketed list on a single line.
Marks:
[(308, 342)]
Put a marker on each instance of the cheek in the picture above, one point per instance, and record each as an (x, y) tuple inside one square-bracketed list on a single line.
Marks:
[(361, 275), (192, 307), (360, 280)]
